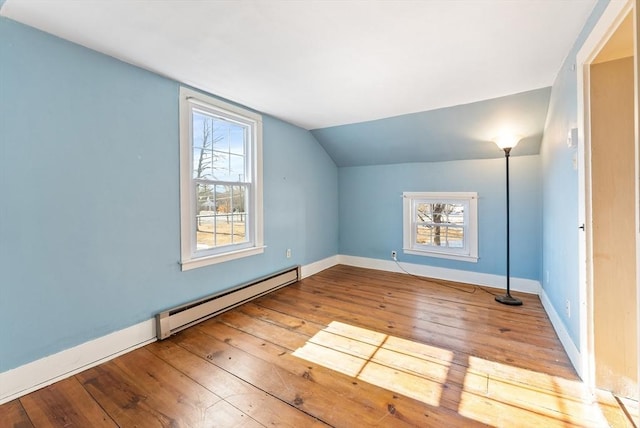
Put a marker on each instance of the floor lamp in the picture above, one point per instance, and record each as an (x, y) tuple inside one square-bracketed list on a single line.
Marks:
[(507, 143)]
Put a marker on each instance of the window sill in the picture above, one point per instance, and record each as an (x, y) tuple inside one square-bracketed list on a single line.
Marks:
[(459, 257), (220, 258)]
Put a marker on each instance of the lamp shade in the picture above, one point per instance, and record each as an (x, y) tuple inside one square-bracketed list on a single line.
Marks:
[(507, 141)]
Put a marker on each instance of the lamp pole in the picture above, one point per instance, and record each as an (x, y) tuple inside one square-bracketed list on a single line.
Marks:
[(508, 299)]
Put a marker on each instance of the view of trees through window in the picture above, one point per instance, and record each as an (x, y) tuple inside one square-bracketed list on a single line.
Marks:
[(440, 224), (219, 173)]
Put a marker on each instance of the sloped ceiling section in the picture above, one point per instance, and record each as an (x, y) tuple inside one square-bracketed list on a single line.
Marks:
[(318, 63), (453, 133)]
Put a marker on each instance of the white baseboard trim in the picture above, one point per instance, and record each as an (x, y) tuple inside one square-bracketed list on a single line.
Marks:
[(489, 280), (569, 347), (27, 378), (319, 266), (32, 376)]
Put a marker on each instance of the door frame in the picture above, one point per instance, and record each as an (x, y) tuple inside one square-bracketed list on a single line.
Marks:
[(608, 23)]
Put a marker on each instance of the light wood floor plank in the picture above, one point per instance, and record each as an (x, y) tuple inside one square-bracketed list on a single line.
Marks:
[(348, 347), (14, 414), (487, 346), (139, 389), (426, 353), (64, 404), (289, 386), (254, 402), (439, 310), (416, 377)]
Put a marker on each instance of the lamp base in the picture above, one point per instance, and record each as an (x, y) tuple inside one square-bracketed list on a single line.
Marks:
[(507, 299)]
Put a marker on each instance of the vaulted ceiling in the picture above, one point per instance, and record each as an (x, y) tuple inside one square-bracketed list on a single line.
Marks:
[(323, 64), (453, 133)]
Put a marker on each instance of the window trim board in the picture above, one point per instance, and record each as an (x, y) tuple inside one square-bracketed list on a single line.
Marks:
[(188, 97), (408, 247)]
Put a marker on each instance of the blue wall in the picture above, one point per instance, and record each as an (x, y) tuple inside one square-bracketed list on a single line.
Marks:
[(371, 210), (89, 215), (560, 190), (89, 207)]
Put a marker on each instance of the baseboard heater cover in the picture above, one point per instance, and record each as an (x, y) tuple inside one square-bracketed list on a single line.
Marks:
[(176, 319)]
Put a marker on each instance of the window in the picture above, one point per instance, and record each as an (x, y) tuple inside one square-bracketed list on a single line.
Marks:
[(220, 181), (441, 225)]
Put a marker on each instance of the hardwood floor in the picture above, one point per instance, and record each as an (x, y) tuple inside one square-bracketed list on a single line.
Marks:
[(347, 347)]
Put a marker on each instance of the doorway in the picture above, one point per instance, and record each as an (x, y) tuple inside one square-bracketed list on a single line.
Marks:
[(609, 204)]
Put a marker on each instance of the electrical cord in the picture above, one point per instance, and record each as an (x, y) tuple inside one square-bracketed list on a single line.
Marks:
[(421, 278)]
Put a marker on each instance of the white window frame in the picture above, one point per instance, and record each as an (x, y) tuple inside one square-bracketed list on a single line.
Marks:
[(469, 252), (189, 257)]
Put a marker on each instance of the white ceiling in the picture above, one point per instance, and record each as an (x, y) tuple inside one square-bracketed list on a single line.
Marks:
[(324, 63)]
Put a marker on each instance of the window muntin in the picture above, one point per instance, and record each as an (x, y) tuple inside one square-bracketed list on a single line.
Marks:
[(221, 192), (221, 181), (221, 216), (440, 224)]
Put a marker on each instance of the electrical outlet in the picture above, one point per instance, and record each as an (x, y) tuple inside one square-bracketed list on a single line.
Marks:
[(288, 253), (394, 255), (567, 308)]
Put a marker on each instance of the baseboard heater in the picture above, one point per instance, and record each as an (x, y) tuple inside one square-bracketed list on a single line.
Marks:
[(174, 320)]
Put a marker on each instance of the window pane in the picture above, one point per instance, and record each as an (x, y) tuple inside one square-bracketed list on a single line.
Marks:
[(457, 216), (222, 133), (237, 138), (239, 204), (229, 137), (424, 235), (423, 212), (205, 217), (455, 237), (202, 126), (236, 168), (228, 167), (239, 198), (439, 213), (223, 199), (220, 166), (439, 235), (440, 224), (202, 163), (219, 148), (221, 215), (454, 213), (202, 134)]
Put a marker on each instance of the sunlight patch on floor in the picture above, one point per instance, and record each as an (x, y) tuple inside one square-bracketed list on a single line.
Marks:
[(551, 396), (413, 369), (478, 389)]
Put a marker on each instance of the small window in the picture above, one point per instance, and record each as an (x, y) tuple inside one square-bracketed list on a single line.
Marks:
[(439, 224), (220, 181)]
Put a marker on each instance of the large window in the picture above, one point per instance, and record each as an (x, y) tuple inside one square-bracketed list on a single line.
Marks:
[(441, 225), (220, 181)]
